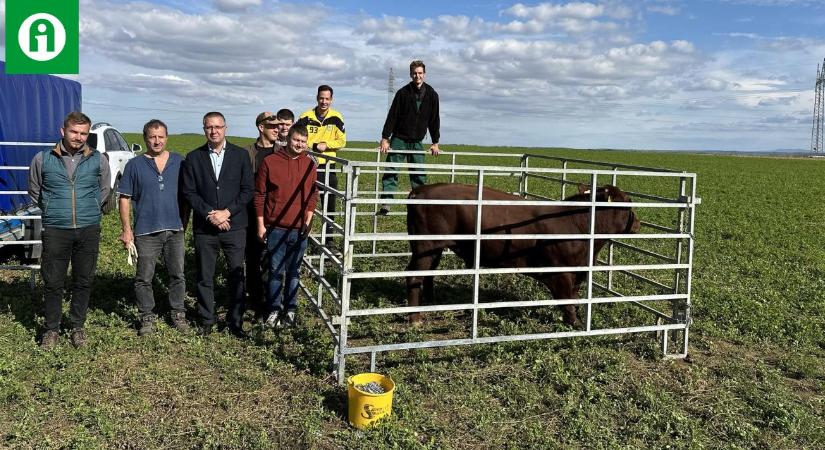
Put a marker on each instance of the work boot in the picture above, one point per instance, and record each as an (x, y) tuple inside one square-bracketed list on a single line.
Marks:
[(205, 330), (147, 324), (179, 321), (49, 339), (238, 332), (78, 337)]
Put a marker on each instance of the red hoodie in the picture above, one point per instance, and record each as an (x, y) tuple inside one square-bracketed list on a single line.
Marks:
[(285, 189)]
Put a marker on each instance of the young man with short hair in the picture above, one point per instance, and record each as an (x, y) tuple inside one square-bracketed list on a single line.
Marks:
[(285, 120), (326, 135), (69, 182), (285, 199), (414, 110), (150, 184)]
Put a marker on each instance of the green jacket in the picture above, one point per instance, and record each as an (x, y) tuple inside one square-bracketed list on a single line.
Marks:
[(70, 202)]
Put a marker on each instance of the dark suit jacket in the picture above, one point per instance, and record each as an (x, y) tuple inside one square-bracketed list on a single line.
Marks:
[(233, 190)]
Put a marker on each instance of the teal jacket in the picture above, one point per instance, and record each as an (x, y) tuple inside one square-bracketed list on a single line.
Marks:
[(70, 202)]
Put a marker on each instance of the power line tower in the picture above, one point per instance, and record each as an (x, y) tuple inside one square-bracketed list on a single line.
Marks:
[(817, 134), (390, 88)]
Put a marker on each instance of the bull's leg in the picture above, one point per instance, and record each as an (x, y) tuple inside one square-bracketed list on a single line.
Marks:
[(563, 285), (429, 291), (421, 261)]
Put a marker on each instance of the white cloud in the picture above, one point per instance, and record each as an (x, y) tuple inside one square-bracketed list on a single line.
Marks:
[(235, 5), (667, 10), (391, 31), (549, 11), (577, 62)]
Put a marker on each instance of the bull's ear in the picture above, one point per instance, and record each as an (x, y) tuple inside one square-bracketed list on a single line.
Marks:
[(584, 189), (613, 193)]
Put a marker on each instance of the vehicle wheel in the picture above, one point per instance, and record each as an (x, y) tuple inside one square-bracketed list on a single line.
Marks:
[(111, 202)]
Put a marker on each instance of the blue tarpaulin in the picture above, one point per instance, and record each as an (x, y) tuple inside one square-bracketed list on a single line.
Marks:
[(32, 108)]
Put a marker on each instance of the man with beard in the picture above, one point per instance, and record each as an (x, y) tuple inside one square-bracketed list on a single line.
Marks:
[(69, 183)]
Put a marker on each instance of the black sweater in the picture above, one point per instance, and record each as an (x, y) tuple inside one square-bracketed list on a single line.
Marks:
[(407, 123)]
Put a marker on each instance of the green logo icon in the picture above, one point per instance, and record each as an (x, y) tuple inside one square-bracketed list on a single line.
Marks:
[(42, 36)]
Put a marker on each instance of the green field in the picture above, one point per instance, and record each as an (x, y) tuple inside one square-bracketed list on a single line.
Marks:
[(755, 377)]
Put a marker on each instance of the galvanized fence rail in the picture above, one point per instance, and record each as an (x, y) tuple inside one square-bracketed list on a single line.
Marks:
[(32, 219), (655, 264)]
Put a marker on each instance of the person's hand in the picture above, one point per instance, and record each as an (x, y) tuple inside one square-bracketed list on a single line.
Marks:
[(262, 234), (126, 237), (321, 147), (384, 146), (305, 230), (218, 216), (212, 218), (224, 226), (434, 150)]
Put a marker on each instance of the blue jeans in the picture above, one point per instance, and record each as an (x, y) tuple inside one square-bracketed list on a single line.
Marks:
[(286, 250)]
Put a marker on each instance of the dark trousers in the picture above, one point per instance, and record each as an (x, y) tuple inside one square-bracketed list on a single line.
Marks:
[(254, 279), (61, 246), (207, 247), (168, 244), (333, 183)]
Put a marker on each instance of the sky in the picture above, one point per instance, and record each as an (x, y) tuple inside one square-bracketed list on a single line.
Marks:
[(734, 75)]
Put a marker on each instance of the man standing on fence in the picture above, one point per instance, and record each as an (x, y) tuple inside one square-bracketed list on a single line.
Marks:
[(326, 135), (69, 183), (150, 184), (414, 110), (285, 199), (217, 183)]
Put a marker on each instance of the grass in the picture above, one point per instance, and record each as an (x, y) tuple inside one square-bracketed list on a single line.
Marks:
[(755, 378)]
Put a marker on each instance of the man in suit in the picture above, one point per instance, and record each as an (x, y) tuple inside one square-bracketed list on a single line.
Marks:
[(218, 184)]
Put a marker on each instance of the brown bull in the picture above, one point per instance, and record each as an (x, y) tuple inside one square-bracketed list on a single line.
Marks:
[(515, 219)]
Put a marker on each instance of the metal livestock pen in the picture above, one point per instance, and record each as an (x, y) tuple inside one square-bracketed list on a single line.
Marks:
[(650, 270)]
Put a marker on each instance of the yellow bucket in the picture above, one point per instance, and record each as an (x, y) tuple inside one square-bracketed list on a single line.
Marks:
[(364, 407)]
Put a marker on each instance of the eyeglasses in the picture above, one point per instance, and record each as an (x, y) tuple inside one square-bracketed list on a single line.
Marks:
[(214, 128), (160, 181), (271, 126)]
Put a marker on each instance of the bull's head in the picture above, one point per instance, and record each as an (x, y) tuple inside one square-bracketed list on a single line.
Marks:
[(614, 194)]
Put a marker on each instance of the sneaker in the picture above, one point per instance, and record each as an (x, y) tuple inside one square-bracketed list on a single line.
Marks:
[(179, 321), (289, 320), (273, 320), (78, 337), (49, 340), (383, 210), (147, 324)]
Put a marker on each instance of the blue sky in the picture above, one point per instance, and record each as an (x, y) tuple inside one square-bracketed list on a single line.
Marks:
[(646, 74)]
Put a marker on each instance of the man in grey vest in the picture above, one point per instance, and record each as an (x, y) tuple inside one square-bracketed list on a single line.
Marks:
[(69, 182)]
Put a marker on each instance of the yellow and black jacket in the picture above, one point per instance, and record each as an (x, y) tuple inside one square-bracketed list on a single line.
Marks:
[(330, 130)]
